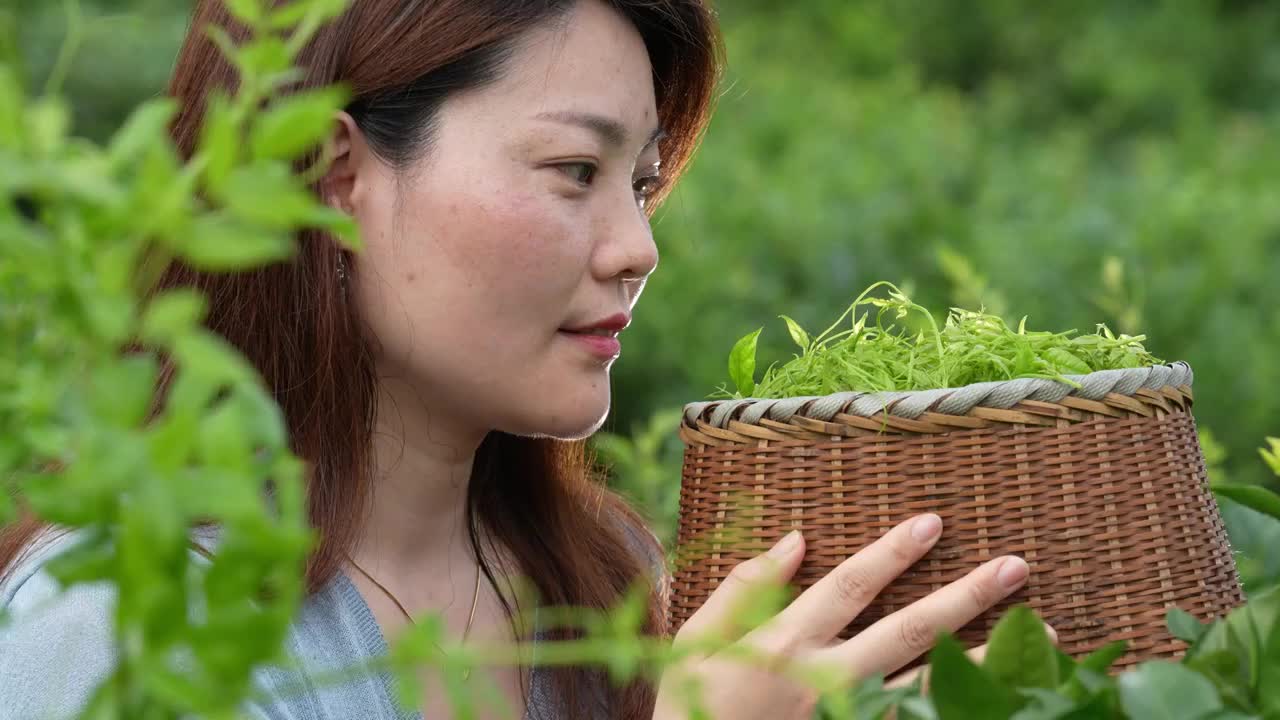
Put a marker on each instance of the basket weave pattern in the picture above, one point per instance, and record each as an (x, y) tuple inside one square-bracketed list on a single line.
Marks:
[(1106, 498)]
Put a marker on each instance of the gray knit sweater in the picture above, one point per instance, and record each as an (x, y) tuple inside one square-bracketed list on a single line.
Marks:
[(57, 647)]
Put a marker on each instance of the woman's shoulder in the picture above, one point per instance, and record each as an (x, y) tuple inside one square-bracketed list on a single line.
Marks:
[(55, 644), (27, 582)]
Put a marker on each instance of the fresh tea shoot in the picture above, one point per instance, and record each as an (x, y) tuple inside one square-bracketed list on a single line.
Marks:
[(896, 344)]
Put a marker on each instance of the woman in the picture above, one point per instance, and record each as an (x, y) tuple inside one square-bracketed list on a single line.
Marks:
[(501, 158)]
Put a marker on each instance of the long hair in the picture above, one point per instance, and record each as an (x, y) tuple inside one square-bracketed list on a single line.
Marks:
[(570, 535)]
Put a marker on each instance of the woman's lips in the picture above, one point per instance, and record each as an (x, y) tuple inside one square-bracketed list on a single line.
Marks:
[(602, 346)]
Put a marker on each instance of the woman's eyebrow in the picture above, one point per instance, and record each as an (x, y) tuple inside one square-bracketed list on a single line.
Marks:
[(612, 132)]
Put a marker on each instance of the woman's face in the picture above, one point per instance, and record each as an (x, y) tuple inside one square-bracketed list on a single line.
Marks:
[(522, 219)]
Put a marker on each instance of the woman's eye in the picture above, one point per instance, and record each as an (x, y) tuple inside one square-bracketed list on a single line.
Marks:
[(581, 172)]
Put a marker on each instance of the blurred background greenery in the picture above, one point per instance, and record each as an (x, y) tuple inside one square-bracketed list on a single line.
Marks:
[(1095, 161)]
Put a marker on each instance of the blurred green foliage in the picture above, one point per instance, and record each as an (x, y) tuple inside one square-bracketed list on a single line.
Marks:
[(1076, 162), (125, 54), (1097, 161), (83, 228)]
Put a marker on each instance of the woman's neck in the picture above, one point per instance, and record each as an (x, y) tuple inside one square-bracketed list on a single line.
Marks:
[(416, 529)]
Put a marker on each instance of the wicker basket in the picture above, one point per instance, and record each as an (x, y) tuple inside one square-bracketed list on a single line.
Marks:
[(1102, 489)]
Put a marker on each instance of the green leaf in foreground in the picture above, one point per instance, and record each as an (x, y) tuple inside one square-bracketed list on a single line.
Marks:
[(1184, 626), (296, 124), (220, 141), (148, 121), (220, 242), (171, 314), (1254, 497), (120, 392), (1233, 650), (1223, 669), (12, 132), (249, 12), (742, 363), (1271, 454), (1159, 690), (964, 691), (1020, 653), (1269, 674), (1100, 660)]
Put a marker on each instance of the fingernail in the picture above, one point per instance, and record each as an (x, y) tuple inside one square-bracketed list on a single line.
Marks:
[(926, 527), (784, 546), (1012, 572)]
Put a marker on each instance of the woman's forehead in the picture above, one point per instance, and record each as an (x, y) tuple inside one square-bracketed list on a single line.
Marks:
[(592, 65)]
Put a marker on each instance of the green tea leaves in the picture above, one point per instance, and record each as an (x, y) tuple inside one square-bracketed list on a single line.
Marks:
[(962, 690), (249, 12), (342, 226), (219, 141), (1271, 454), (1184, 626), (1232, 650), (220, 242), (798, 335), (267, 194), (121, 390), (296, 124), (171, 314), (264, 57), (1161, 690), (48, 121), (1020, 653), (1269, 674), (144, 127), (123, 416), (742, 363), (1100, 660), (1066, 362), (1254, 497), (12, 130), (900, 346)]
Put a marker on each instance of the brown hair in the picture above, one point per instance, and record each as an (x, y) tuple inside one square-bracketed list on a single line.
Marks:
[(401, 59)]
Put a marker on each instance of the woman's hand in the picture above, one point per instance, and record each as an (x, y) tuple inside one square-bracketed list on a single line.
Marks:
[(804, 633)]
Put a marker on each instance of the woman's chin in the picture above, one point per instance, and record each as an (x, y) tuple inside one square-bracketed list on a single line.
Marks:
[(567, 415), (576, 425)]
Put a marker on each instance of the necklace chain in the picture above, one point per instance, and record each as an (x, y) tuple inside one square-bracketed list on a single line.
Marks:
[(399, 605)]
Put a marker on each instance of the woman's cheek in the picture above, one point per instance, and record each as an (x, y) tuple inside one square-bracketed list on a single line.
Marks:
[(537, 239)]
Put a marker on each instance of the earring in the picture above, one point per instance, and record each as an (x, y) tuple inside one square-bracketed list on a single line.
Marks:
[(342, 269)]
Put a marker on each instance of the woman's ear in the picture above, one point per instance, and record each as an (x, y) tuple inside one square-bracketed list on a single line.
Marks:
[(340, 187)]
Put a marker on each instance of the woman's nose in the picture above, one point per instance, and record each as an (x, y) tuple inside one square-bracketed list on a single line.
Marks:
[(625, 246)]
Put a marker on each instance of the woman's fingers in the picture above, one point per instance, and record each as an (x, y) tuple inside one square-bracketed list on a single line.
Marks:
[(833, 602), (720, 617), (897, 639)]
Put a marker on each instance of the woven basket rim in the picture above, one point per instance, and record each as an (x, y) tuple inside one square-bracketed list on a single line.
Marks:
[(910, 404)]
